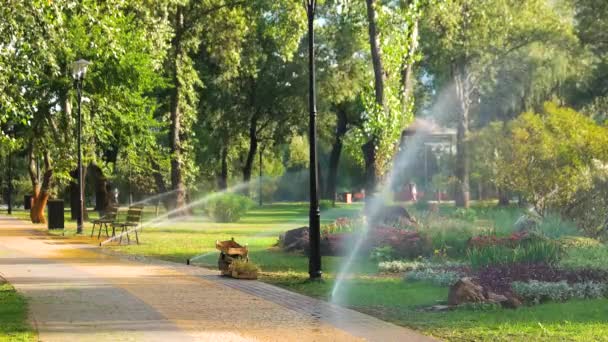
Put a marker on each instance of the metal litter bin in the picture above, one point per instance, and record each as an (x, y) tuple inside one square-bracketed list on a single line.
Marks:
[(56, 219)]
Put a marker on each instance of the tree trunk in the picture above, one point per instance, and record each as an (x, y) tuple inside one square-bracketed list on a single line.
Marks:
[(177, 177), (223, 178), (33, 178), (161, 187), (41, 193), (407, 71), (369, 155), (369, 148), (102, 199), (336, 151), (503, 197), (462, 151), (253, 148), (374, 43)]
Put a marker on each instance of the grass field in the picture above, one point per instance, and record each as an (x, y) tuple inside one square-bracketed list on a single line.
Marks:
[(13, 315), (389, 298)]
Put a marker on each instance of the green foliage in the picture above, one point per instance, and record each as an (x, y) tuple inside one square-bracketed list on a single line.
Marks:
[(466, 214), (534, 251), (537, 291), (449, 236), (382, 254), (343, 225), (479, 306), (325, 204), (591, 257), (227, 207), (422, 205), (554, 227), (439, 277), (400, 266), (549, 157), (298, 152)]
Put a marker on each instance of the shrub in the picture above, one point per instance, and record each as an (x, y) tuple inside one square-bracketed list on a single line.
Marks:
[(343, 225), (579, 242), (398, 266), (528, 251), (422, 205), (383, 253), (440, 277), (325, 204), (450, 236), (466, 214), (228, 207), (407, 244), (498, 278), (554, 227), (586, 257), (492, 240), (538, 291)]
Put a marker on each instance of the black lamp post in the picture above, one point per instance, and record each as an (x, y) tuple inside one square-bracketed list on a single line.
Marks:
[(79, 69), (10, 174), (314, 230)]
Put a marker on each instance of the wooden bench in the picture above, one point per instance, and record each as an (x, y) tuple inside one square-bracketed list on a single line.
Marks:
[(132, 222), (107, 219)]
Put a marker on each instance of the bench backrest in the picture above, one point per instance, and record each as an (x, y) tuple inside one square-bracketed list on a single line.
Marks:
[(134, 214), (110, 213)]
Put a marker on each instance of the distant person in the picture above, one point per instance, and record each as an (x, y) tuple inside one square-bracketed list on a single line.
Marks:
[(413, 192), (115, 192)]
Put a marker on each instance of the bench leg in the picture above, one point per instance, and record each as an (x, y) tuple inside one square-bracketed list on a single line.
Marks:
[(107, 235), (93, 230), (136, 236), (121, 231), (99, 235)]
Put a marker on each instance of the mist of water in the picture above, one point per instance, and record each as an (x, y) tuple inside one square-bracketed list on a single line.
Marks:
[(154, 198), (171, 215), (402, 162)]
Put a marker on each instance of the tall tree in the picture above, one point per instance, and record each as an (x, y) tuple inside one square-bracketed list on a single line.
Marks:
[(466, 40)]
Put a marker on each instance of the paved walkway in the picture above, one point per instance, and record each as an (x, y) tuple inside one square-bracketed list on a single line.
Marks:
[(77, 293)]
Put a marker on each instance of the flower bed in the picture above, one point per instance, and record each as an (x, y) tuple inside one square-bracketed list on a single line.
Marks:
[(499, 278)]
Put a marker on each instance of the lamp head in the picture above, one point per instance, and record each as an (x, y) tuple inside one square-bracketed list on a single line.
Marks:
[(79, 68)]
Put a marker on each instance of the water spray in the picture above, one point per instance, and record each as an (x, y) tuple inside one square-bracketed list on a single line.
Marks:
[(163, 218)]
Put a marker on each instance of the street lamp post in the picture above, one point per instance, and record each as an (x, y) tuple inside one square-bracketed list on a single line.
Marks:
[(79, 69), (314, 218)]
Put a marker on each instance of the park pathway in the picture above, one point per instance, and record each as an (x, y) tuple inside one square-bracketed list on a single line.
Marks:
[(77, 293)]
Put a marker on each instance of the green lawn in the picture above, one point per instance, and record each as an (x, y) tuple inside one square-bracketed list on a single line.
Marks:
[(13, 315), (389, 298)]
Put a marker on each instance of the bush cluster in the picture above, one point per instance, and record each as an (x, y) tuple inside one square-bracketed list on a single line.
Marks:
[(342, 225), (498, 278), (528, 251), (538, 291), (437, 276), (227, 207), (400, 266)]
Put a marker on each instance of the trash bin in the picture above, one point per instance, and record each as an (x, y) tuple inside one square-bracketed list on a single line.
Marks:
[(55, 218), (27, 202)]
